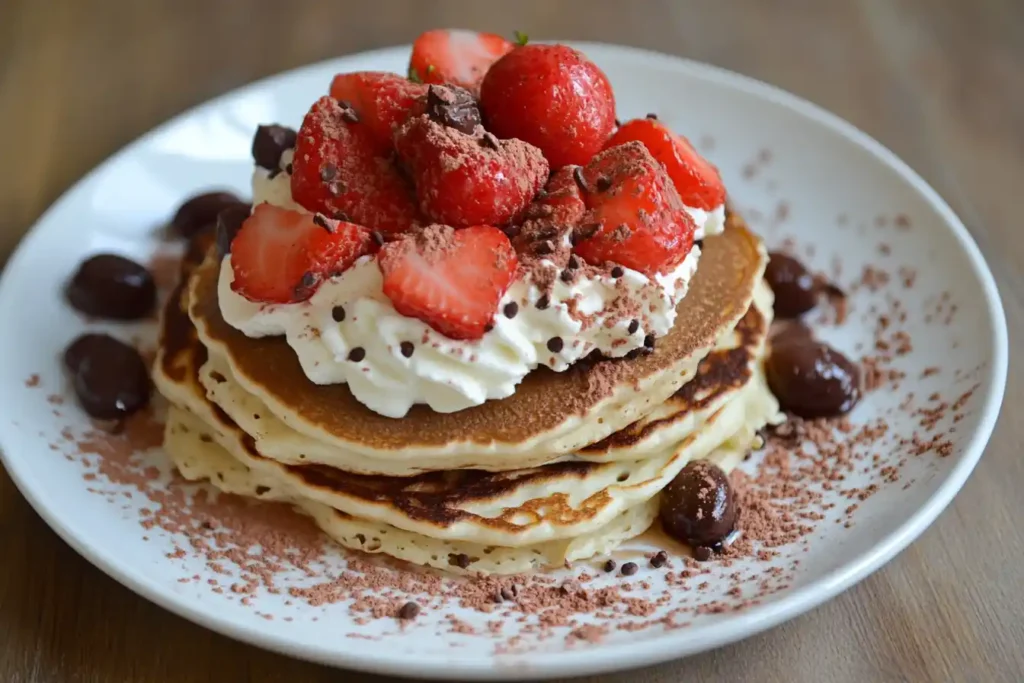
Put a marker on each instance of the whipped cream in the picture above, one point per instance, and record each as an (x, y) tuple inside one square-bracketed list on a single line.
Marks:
[(404, 361)]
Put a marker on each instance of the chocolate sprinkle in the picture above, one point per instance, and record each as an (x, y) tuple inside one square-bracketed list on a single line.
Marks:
[(350, 115), (634, 325), (630, 568), (511, 308), (357, 354), (555, 344), (659, 560), (584, 232), (378, 238), (617, 272), (544, 248), (649, 341), (574, 261), (321, 221), (610, 565), (702, 553), (581, 182), (338, 313), (603, 183), (407, 348), (543, 302), (652, 116), (455, 107), (566, 275), (341, 216)]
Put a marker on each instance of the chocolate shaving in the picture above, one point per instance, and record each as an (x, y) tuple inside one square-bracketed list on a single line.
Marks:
[(455, 108)]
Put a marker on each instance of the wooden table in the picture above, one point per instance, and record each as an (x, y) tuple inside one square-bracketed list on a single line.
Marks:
[(941, 82)]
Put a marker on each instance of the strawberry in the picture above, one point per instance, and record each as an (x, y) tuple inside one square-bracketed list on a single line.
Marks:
[(455, 56), (341, 169), (282, 256), (559, 206), (696, 179), (464, 179), (635, 217), (450, 279), (381, 100), (550, 96)]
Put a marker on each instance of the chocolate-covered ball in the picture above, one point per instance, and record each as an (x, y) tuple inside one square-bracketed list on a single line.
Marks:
[(109, 377), (201, 211), (811, 379), (698, 506), (793, 285), (112, 286)]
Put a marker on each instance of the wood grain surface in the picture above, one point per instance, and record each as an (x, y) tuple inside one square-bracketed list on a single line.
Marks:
[(941, 82)]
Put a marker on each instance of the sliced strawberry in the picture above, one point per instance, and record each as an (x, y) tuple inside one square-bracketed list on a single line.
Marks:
[(455, 56), (696, 179), (341, 169), (558, 207), (464, 179), (450, 279), (282, 256), (382, 100), (635, 217)]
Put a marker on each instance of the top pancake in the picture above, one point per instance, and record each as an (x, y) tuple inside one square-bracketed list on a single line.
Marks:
[(557, 411)]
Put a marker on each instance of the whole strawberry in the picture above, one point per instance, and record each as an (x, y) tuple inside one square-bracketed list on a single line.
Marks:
[(634, 216), (463, 175), (553, 97), (380, 100), (343, 170), (455, 56)]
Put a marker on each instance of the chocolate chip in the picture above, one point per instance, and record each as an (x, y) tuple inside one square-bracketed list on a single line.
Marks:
[(260, 490), (490, 141), (581, 182), (610, 565), (698, 506), (269, 143), (652, 116), (511, 308), (543, 302), (567, 275), (320, 220), (109, 377), (634, 325), (509, 593), (308, 282), (544, 248), (702, 553), (229, 222), (574, 261), (602, 183), (617, 272), (555, 344), (350, 115), (649, 341), (377, 237), (511, 231), (357, 354), (338, 313), (461, 560), (407, 348), (630, 568), (112, 286), (659, 560), (201, 211), (455, 107), (584, 232), (408, 611), (328, 172)]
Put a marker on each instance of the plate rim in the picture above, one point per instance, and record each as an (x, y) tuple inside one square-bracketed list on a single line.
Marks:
[(613, 656)]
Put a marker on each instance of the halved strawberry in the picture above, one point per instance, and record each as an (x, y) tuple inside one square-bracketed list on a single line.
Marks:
[(464, 179), (450, 279), (456, 56), (382, 100), (635, 217), (696, 179), (341, 169), (282, 256)]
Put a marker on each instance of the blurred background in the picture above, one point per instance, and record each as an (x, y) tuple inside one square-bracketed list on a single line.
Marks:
[(940, 82)]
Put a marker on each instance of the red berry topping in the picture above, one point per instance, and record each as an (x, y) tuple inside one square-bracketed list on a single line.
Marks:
[(563, 195), (282, 256), (635, 216), (341, 169), (550, 96), (464, 180), (455, 56), (381, 100), (450, 279), (695, 178)]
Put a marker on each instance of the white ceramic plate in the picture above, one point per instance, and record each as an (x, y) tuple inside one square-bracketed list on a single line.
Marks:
[(795, 170)]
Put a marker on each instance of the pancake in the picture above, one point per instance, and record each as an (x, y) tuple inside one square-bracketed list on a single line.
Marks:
[(551, 413), (524, 507)]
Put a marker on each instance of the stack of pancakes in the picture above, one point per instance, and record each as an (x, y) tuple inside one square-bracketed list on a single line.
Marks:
[(567, 468)]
